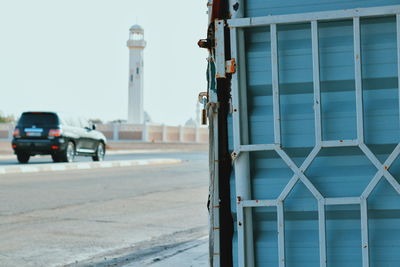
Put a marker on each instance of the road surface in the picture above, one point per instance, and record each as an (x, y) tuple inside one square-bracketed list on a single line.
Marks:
[(86, 217)]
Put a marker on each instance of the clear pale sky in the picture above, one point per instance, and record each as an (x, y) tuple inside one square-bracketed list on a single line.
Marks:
[(71, 56)]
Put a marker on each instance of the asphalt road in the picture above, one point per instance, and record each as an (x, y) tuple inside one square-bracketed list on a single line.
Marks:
[(92, 216)]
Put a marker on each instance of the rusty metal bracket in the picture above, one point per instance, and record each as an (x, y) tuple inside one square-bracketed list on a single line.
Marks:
[(230, 66), (204, 43)]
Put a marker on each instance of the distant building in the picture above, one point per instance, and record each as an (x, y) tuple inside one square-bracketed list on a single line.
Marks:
[(147, 117), (136, 45), (191, 122)]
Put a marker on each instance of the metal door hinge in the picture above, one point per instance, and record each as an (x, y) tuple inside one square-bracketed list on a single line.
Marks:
[(222, 65), (220, 49)]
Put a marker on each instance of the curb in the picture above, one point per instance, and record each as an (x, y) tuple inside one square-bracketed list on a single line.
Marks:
[(111, 152), (85, 165)]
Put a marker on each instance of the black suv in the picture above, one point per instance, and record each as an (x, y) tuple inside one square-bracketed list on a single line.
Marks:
[(46, 133)]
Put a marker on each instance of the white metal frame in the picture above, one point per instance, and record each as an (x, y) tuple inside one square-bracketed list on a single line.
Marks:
[(220, 49), (242, 170), (242, 147), (214, 217)]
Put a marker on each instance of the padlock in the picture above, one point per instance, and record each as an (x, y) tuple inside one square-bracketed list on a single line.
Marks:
[(204, 116), (203, 99)]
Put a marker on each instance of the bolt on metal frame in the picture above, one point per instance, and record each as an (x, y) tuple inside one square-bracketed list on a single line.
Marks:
[(240, 131)]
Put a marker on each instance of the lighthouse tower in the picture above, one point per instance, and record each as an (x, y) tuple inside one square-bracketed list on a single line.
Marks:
[(136, 45)]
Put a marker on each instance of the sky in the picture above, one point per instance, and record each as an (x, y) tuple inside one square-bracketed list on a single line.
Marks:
[(71, 56)]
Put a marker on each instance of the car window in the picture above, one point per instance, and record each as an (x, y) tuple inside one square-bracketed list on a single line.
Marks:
[(84, 123), (62, 121), (70, 121), (38, 119)]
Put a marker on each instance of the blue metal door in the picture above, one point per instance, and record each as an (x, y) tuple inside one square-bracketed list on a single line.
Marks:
[(315, 130)]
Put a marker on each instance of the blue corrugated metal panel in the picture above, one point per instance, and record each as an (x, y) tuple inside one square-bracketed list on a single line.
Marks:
[(336, 172), (255, 8), (337, 80)]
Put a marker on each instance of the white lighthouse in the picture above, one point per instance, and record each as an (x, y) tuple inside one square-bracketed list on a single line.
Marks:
[(136, 45)]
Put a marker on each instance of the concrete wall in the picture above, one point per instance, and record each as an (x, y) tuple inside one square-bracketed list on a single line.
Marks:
[(140, 133), (6, 130)]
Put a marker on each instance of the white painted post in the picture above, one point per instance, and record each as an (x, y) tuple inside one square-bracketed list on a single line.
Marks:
[(145, 132), (164, 133), (180, 134), (115, 131), (10, 131), (197, 134)]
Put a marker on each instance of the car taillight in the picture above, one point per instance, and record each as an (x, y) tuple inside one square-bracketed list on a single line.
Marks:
[(16, 132), (55, 132)]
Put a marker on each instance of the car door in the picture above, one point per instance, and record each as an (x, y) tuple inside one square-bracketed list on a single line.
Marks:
[(89, 142), (73, 131), (93, 139)]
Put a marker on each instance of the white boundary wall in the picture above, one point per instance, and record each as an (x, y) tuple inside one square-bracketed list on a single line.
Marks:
[(139, 132)]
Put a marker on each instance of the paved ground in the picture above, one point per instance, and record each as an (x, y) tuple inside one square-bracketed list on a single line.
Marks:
[(190, 254), (84, 217), (186, 248)]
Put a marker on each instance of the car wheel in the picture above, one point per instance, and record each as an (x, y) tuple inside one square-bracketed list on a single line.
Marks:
[(23, 158), (68, 154), (100, 153)]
